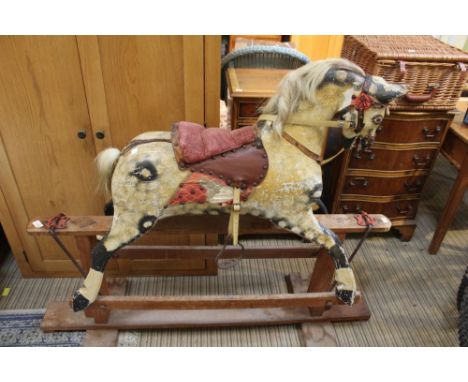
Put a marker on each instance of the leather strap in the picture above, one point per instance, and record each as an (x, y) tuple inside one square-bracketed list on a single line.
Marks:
[(304, 121), (301, 147), (137, 142), (329, 159), (233, 228), (301, 120), (233, 231)]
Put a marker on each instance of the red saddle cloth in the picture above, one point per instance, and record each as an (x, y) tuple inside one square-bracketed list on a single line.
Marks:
[(195, 143)]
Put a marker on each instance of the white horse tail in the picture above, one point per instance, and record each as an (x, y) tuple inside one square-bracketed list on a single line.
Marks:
[(105, 162)]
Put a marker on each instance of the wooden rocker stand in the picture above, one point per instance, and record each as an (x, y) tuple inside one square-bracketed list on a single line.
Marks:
[(308, 301)]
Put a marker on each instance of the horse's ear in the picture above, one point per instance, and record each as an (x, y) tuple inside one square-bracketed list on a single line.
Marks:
[(385, 92)]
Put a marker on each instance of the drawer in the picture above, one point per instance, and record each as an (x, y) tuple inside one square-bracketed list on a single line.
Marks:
[(249, 109), (393, 210), (378, 158), (372, 185), (411, 131), (242, 122)]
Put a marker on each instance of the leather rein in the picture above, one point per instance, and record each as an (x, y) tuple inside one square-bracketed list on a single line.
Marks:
[(360, 103)]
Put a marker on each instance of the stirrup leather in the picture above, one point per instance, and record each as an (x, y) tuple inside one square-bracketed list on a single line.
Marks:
[(233, 228)]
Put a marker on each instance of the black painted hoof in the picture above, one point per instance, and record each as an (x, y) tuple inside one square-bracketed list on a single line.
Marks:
[(79, 302), (346, 296)]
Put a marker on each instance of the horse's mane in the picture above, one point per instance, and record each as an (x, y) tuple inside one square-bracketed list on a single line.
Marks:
[(300, 85)]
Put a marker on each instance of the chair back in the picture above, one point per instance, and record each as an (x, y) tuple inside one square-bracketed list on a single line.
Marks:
[(261, 56)]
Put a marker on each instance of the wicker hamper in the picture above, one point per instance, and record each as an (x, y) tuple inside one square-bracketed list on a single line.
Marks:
[(433, 71)]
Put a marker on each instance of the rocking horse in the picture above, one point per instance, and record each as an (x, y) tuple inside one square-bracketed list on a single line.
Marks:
[(271, 170)]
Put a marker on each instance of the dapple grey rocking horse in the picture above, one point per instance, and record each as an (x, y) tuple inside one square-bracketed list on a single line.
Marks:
[(265, 170)]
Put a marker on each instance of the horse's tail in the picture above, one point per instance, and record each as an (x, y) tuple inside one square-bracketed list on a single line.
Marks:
[(105, 162)]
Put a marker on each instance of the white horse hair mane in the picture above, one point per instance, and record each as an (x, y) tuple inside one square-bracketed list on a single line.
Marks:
[(300, 85)]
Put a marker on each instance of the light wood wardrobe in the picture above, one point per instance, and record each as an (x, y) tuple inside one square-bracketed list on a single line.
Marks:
[(65, 98)]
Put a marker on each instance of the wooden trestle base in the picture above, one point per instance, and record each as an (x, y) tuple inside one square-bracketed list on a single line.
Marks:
[(308, 301), (102, 321)]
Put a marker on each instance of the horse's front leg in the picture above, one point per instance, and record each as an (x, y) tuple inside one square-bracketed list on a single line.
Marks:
[(125, 228), (344, 275)]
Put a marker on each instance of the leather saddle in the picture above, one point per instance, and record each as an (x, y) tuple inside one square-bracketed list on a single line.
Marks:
[(236, 157)]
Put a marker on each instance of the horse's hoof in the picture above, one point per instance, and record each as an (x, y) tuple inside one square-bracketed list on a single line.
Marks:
[(79, 302), (346, 296)]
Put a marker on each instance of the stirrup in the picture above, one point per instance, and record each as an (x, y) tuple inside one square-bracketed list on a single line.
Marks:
[(233, 231), (230, 263)]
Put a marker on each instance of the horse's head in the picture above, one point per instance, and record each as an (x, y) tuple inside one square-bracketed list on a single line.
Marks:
[(335, 89), (365, 104)]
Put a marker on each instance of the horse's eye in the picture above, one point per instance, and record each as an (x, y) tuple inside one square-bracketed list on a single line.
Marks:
[(377, 119)]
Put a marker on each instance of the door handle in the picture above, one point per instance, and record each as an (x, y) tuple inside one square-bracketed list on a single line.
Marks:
[(81, 134), (100, 134)]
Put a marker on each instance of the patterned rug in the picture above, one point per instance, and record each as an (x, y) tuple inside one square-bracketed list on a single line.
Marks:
[(22, 328)]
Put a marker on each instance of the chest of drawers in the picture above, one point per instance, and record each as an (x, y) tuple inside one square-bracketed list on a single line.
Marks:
[(248, 89), (389, 177)]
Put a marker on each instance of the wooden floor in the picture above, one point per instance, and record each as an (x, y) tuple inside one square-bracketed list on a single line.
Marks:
[(411, 293)]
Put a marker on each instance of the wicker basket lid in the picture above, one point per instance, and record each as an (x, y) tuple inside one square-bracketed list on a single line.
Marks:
[(412, 48)]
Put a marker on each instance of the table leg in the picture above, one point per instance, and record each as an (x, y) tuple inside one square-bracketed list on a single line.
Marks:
[(454, 199)]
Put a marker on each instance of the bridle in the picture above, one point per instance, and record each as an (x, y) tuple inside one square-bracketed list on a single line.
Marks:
[(359, 103)]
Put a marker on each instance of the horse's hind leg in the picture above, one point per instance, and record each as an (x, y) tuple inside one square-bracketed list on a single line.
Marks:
[(304, 224), (125, 228)]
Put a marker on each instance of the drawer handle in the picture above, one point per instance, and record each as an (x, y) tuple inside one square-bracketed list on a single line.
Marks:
[(356, 154), (428, 135), (413, 187), (368, 151), (357, 208), (354, 182), (421, 162), (404, 210)]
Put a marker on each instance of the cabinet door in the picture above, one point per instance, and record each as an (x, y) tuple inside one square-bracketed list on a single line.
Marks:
[(151, 82), (136, 84), (46, 168), (148, 83), (51, 88)]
